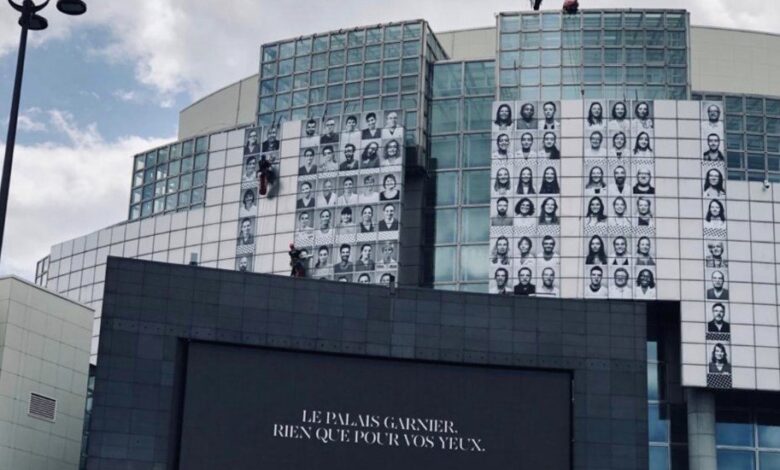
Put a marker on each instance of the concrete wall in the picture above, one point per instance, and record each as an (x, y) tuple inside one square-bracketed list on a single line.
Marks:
[(233, 106), (609, 372), (44, 348), (733, 61), (467, 44)]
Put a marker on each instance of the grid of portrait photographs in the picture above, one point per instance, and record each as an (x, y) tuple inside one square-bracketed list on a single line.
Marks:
[(261, 149), (525, 199), (716, 291), (349, 199), (619, 200)]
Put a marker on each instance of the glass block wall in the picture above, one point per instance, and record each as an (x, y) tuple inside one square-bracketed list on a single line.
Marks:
[(462, 94), (343, 72), (752, 135), (170, 178), (598, 54)]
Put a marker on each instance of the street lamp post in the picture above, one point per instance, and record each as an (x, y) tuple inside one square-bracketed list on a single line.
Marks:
[(29, 20)]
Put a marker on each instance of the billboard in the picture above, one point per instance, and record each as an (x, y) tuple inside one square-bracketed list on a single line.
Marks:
[(248, 408)]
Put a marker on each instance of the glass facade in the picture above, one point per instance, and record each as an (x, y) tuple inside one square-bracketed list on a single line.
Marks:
[(748, 439), (344, 72), (752, 135), (596, 54), (666, 422), (169, 179), (459, 199)]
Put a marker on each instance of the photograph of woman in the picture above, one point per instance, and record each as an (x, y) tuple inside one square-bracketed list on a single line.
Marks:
[(643, 257), (503, 119), (713, 152), (527, 120), (390, 190), (596, 184), (548, 215), (596, 251), (502, 185), (719, 361), (619, 217), (526, 150), (645, 285), (618, 148), (642, 120), (524, 212), (392, 154), (549, 181), (595, 116), (499, 255), (322, 266), (644, 213), (367, 220), (620, 252), (248, 203), (370, 156), (713, 184), (502, 151), (550, 146), (716, 215), (642, 147), (595, 214), (525, 184), (619, 118), (715, 256)]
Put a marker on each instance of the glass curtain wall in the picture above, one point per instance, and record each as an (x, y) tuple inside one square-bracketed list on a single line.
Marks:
[(459, 163), (170, 178), (595, 54), (330, 74), (752, 135)]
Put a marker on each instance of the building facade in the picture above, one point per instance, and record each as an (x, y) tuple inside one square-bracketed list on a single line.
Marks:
[(189, 199)]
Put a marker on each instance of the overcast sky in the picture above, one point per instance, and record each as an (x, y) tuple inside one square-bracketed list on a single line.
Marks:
[(101, 87)]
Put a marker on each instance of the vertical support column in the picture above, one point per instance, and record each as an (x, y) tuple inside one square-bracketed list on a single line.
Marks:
[(701, 429)]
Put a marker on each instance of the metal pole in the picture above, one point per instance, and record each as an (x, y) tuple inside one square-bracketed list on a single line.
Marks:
[(10, 142)]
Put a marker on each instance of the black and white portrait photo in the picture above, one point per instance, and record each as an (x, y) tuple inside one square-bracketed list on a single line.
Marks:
[(595, 214), (713, 151), (346, 223), (372, 127), (366, 224), (500, 254), (389, 220), (392, 129), (344, 264), (365, 260), (500, 283), (271, 141), (596, 287), (525, 256), (718, 289), (548, 286), (550, 147), (503, 117), (619, 215), (618, 147), (369, 157), (250, 169), (715, 256), (252, 141), (326, 196), (549, 120), (524, 285), (644, 212), (368, 193), (719, 360), (712, 122), (549, 183), (526, 148), (246, 231), (527, 118), (645, 285), (305, 196), (391, 153), (644, 252), (595, 120), (244, 263), (502, 182), (525, 212), (502, 147), (331, 133), (596, 254), (715, 217), (644, 181), (308, 164), (390, 191), (619, 255), (500, 216), (349, 161), (618, 118), (718, 323), (328, 159), (642, 146), (596, 183), (643, 118), (322, 267), (324, 223), (248, 203), (548, 212), (714, 186), (388, 255), (387, 279), (525, 181), (309, 134), (620, 287), (548, 254), (347, 192), (596, 148), (619, 184)]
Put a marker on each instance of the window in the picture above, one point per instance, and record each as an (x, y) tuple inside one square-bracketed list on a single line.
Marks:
[(479, 78), (447, 80), (445, 116)]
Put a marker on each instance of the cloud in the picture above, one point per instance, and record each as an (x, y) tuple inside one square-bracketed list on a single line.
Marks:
[(59, 192), (128, 96), (30, 121), (197, 46)]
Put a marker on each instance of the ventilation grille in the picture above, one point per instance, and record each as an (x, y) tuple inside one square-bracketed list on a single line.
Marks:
[(42, 407)]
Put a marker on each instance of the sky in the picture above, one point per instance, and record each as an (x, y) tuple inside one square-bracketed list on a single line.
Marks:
[(101, 87)]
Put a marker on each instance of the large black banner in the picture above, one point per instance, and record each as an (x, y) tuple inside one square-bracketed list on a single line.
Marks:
[(251, 408)]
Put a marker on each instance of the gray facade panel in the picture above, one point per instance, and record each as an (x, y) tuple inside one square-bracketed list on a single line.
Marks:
[(151, 309)]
